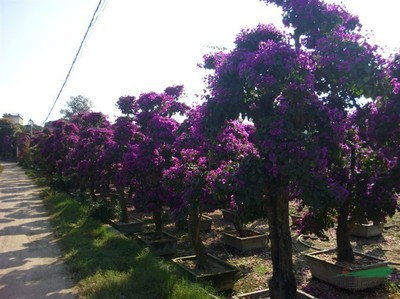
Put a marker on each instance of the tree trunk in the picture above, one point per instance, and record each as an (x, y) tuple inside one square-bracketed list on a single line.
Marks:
[(91, 189), (344, 249), (194, 233), (157, 220), (237, 223), (282, 285), (122, 204), (130, 193)]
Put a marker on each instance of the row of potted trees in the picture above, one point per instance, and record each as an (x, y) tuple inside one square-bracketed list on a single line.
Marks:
[(281, 120)]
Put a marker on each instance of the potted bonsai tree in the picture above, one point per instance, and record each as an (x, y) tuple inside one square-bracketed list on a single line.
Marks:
[(186, 181), (266, 80), (341, 78), (231, 147), (150, 156)]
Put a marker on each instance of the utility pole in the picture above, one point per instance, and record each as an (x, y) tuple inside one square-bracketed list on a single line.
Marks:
[(30, 123)]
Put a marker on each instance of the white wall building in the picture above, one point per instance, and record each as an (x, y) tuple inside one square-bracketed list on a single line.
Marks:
[(14, 118)]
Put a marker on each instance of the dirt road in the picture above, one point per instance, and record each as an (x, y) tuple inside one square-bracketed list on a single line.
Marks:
[(30, 260)]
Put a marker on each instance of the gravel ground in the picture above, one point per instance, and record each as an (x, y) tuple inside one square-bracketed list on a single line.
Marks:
[(256, 266)]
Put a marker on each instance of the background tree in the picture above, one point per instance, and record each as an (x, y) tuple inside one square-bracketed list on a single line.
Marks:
[(75, 105), (8, 132)]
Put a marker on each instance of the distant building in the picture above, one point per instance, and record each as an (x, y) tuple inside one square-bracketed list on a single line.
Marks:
[(14, 118)]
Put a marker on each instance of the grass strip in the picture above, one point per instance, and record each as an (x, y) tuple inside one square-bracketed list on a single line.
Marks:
[(110, 265)]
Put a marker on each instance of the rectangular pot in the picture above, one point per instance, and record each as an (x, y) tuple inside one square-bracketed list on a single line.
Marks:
[(205, 223), (343, 277), (221, 280), (256, 241), (164, 246), (265, 295), (365, 230), (134, 226)]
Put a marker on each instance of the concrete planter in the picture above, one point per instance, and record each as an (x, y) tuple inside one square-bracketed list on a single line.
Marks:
[(254, 240), (159, 245), (222, 279), (128, 228), (346, 277), (365, 230), (264, 294)]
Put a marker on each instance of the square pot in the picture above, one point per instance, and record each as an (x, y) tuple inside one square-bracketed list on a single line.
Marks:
[(223, 279), (133, 226), (164, 245), (348, 278), (365, 230), (255, 240)]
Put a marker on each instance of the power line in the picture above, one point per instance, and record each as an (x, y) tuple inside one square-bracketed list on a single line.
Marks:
[(91, 24)]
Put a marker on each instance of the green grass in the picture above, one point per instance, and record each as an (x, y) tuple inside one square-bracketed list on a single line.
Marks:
[(109, 265), (1, 168)]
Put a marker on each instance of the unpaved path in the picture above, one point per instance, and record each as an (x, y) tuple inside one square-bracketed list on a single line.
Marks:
[(30, 261)]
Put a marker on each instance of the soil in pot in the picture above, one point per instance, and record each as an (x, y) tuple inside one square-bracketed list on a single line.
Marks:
[(220, 274), (163, 245), (133, 226)]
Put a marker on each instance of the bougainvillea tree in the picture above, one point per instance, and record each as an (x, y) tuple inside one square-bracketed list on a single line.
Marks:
[(146, 160), (93, 137), (347, 69), (229, 151), (186, 179), (268, 80), (54, 147), (110, 165), (202, 177)]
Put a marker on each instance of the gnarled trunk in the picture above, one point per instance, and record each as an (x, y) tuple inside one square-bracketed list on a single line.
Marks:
[(237, 223), (282, 285), (122, 204), (194, 233), (157, 220), (344, 249)]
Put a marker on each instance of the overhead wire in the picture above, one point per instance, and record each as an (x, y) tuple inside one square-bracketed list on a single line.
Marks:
[(100, 8)]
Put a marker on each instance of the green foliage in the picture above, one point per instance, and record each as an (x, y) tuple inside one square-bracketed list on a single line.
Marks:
[(103, 209), (61, 183), (8, 139), (76, 105)]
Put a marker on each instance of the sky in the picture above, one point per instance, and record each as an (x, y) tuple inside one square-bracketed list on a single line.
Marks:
[(134, 46)]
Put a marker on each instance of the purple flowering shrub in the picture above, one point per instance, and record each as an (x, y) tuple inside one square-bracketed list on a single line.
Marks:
[(147, 158), (300, 100), (53, 151), (348, 187)]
